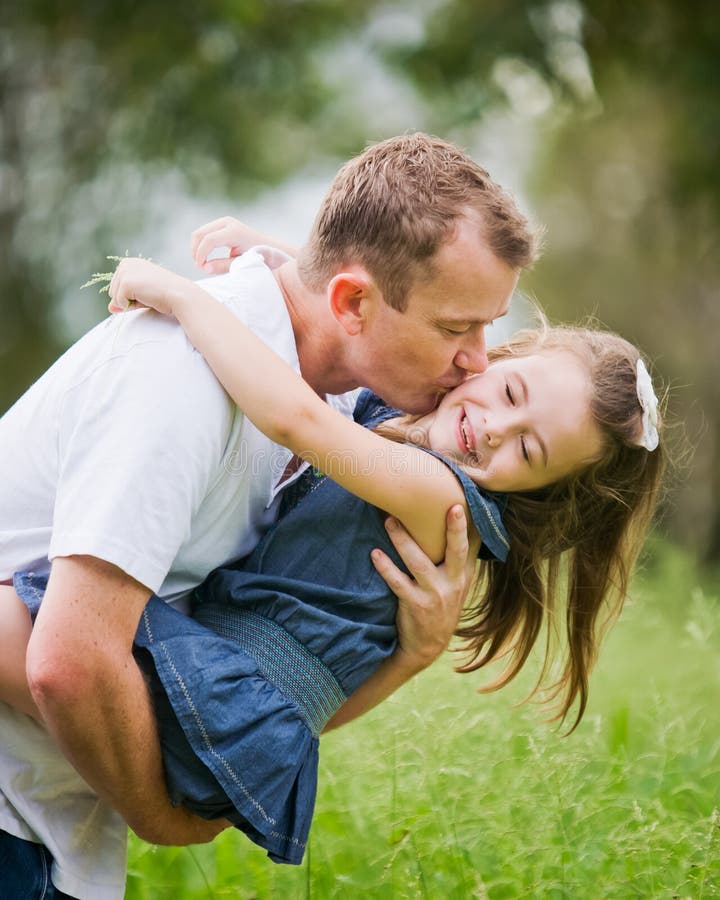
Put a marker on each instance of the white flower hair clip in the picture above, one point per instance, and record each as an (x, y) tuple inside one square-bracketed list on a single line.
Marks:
[(649, 404)]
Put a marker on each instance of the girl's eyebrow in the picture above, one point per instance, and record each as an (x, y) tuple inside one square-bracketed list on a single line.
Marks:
[(524, 389)]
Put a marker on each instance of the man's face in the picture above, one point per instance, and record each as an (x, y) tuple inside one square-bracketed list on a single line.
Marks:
[(412, 358)]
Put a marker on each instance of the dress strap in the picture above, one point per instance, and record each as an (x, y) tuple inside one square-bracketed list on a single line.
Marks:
[(282, 659)]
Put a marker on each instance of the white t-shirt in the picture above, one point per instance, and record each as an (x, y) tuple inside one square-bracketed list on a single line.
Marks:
[(129, 450)]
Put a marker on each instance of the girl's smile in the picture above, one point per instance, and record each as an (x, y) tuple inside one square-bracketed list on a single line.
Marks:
[(521, 425), (466, 434)]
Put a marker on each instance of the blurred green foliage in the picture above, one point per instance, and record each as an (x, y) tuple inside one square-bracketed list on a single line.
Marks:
[(617, 101), (230, 93)]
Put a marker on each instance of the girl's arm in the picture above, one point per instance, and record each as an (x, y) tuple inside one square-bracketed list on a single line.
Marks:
[(401, 479)]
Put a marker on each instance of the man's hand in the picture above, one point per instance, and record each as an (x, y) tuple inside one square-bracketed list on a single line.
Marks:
[(428, 607), (428, 611), (227, 232)]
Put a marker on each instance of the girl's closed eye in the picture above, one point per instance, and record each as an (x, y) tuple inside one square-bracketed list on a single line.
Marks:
[(524, 450), (509, 393)]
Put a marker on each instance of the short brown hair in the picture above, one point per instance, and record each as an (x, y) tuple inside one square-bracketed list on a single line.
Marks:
[(392, 207)]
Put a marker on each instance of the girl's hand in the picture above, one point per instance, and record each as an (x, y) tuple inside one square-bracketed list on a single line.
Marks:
[(227, 232), (139, 282)]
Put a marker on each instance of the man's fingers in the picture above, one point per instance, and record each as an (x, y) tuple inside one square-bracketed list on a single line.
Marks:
[(428, 606), (396, 580), (421, 566), (457, 549)]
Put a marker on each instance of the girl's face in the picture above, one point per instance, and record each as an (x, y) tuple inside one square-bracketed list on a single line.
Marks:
[(521, 425)]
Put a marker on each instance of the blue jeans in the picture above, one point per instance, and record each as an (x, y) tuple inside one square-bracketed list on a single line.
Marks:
[(25, 871)]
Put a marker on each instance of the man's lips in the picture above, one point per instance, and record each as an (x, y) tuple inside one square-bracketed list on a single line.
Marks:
[(442, 389), (449, 385)]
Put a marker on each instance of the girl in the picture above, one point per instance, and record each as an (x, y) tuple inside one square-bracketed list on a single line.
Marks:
[(554, 454)]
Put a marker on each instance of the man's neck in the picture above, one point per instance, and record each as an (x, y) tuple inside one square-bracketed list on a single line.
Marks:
[(318, 336)]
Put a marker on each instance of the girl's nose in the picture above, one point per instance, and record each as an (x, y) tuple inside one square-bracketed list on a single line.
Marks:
[(497, 428)]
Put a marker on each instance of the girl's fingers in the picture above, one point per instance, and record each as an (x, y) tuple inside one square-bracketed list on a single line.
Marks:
[(224, 232), (199, 233), (112, 287), (217, 266), (219, 237), (119, 291)]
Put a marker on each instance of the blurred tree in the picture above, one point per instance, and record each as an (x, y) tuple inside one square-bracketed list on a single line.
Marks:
[(230, 92), (631, 197), (627, 127), (620, 102)]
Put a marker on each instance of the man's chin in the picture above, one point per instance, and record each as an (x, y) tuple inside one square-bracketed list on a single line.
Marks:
[(423, 405)]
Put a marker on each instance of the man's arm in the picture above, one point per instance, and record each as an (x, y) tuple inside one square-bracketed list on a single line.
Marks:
[(93, 698), (428, 611)]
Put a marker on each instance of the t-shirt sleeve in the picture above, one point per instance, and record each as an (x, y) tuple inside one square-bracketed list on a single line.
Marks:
[(141, 440)]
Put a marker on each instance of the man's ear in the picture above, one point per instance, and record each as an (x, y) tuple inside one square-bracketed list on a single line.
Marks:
[(350, 295)]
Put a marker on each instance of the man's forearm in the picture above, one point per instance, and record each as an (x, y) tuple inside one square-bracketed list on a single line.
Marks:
[(108, 733), (94, 701)]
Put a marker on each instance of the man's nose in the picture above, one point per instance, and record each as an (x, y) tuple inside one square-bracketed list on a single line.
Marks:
[(472, 356)]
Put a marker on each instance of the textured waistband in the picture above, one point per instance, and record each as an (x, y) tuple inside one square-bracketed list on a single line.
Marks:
[(281, 658)]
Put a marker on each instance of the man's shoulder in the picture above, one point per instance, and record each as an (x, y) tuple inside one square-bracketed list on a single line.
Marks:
[(251, 292)]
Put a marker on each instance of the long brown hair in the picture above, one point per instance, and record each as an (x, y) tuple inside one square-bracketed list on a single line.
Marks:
[(573, 544)]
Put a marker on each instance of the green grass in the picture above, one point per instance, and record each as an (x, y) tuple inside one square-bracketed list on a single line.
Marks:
[(444, 793)]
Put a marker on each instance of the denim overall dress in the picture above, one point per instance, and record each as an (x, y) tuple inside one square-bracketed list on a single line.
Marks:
[(275, 645)]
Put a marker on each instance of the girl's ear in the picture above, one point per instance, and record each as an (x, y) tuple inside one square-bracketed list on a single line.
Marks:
[(351, 295)]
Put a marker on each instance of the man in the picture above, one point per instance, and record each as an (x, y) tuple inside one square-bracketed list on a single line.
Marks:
[(133, 473)]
